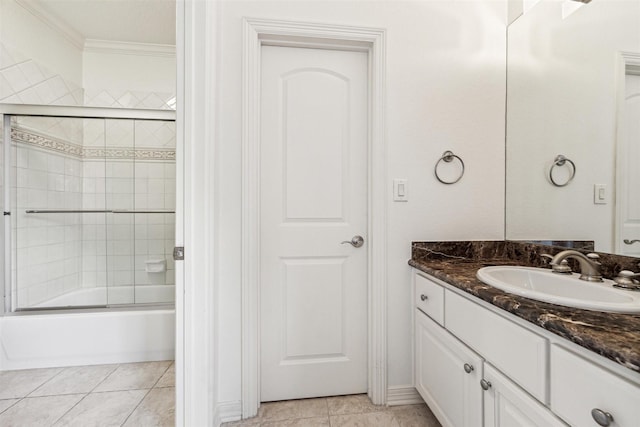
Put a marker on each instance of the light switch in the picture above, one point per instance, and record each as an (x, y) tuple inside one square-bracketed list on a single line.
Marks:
[(600, 194), (400, 190)]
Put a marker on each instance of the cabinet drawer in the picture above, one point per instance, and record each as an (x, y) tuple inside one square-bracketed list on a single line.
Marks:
[(578, 386), (429, 298), (517, 352)]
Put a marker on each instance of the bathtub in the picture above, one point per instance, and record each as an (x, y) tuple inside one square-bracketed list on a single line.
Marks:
[(87, 337)]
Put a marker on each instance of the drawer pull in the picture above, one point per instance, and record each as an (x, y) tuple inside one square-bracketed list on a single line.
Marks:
[(468, 368), (601, 417), (423, 297), (486, 385)]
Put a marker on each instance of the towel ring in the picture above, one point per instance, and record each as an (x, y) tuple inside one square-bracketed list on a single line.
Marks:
[(448, 157), (561, 160)]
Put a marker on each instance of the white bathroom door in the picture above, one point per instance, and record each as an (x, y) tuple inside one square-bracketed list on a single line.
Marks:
[(628, 189), (313, 288)]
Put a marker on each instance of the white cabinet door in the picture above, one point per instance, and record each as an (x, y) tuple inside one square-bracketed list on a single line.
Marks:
[(454, 395), (506, 404)]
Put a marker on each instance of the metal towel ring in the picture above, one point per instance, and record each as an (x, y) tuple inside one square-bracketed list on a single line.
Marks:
[(448, 157), (561, 160)]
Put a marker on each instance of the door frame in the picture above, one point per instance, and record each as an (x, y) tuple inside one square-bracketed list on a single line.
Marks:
[(259, 32), (627, 63)]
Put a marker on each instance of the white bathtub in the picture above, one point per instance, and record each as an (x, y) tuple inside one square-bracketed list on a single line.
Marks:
[(86, 337)]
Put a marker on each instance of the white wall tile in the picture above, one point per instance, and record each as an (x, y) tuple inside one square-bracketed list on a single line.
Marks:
[(29, 96), (38, 160), (16, 78)]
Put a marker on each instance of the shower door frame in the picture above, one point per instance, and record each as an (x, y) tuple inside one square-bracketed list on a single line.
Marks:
[(9, 110)]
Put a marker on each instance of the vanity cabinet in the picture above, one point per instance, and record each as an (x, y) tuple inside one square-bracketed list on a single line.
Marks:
[(461, 361), (447, 375)]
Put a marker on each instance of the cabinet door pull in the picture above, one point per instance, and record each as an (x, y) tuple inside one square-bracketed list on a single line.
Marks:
[(423, 297), (601, 417), (468, 368), (486, 385)]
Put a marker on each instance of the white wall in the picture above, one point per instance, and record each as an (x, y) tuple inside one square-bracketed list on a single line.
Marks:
[(445, 90), (129, 77), (22, 30), (562, 100), (40, 63)]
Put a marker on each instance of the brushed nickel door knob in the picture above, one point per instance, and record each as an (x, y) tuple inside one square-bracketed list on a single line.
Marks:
[(356, 241)]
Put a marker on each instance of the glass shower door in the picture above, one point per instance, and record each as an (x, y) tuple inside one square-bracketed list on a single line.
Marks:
[(119, 156), (92, 221), (155, 144), (54, 239), (140, 192)]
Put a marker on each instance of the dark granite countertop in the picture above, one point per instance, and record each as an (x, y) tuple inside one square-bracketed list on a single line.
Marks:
[(612, 335)]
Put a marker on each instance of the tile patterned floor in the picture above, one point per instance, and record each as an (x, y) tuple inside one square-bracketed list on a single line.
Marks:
[(129, 395), (341, 411), (143, 395)]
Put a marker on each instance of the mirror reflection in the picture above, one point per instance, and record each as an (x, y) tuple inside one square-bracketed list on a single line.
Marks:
[(574, 91)]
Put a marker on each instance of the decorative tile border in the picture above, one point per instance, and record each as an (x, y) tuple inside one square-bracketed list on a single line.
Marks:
[(45, 142), (29, 137), (129, 153)]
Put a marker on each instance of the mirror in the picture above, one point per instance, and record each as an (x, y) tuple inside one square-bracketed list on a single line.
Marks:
[(573, 89)]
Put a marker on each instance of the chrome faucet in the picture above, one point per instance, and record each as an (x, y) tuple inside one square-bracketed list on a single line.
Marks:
[(589, 267)]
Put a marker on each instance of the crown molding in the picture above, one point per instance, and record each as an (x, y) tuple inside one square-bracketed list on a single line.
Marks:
[(129, 48), (35, 8)]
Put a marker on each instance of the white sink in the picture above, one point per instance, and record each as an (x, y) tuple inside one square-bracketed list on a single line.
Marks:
[(543, 285)]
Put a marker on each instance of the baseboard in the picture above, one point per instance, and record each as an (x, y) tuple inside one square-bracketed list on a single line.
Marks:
[(227, 411), (403, 395)]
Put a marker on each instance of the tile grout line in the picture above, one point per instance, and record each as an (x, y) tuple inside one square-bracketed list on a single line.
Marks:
[(137, 406), (85, 396), (145, 396), (117, 365), (19, 399), (68, 410), (45, 381)]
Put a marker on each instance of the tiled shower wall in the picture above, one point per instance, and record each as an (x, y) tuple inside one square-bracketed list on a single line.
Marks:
[(89, 258), (122, 165), (129, 179), (46, 249), (24, 80)]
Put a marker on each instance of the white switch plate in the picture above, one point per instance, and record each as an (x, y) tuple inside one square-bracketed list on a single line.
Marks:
[(600, 194), (400, 190)]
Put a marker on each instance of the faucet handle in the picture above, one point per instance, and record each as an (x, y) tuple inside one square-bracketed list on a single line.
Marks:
[(626, 280), (627, 273), (594, 257), (562, 268), (546, 256)]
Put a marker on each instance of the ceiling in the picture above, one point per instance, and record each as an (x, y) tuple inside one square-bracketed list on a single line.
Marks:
[(136, 21)]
